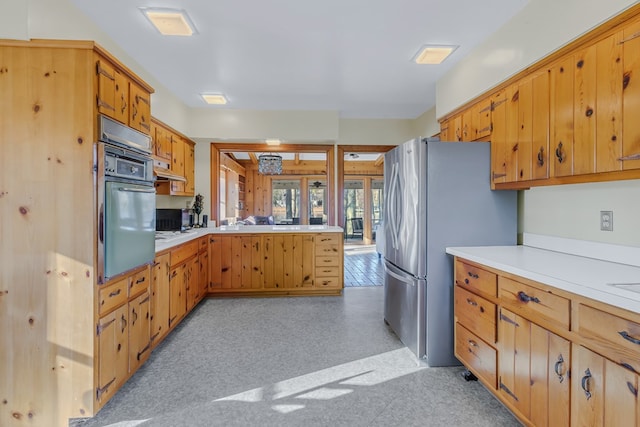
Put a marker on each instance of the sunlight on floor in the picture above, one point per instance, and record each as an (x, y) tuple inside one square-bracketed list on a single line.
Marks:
[(330, 383)]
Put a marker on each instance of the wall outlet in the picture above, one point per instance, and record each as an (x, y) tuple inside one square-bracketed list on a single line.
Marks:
[(606, 220)]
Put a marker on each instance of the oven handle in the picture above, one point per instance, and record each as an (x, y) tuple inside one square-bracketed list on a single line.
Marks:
[(101, 224), (136, 190)]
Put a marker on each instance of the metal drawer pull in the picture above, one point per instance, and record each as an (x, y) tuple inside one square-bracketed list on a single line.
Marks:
[(585, 383), (632, 389), (114, 293), (471, 302), (473, 275), (526, 298), (557, 368), (626, 336), (473, 343), (140, 280)]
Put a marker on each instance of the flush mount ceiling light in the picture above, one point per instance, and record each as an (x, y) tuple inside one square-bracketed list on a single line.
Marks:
[(432, 54), (214, 98), (269, 164), (272, 141), (170, 22), (353, 155)]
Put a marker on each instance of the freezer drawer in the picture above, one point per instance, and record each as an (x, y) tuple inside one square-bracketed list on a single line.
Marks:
[(404, 308)]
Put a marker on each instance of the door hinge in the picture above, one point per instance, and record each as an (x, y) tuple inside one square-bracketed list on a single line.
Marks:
[(102, 326), (508, 320), (506, 390)]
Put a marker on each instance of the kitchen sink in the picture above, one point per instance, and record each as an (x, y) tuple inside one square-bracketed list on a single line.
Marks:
[(633, 287)]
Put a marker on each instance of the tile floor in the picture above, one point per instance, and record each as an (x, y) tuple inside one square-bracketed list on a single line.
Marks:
[(362, 266)]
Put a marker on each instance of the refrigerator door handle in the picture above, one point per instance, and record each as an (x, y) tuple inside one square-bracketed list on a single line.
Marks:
[(389, 269), (394, 203)]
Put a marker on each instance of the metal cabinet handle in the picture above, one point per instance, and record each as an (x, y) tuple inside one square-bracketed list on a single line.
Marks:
[(559, 154), (626, 336), (541, 157), (473, 275), (114, 293), (585, 383), (472, 343), (526, 298), (557, 368), (471, 302)]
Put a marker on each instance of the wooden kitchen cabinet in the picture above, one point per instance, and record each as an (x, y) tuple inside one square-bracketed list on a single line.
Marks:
[(140, 111), (181, 162), (631, 96), (139, 330), (162, 142), (113, 353), (189, 168), (160, 293), (204, 267), (276, 263), (603, 392), (177, 294), (559, 359), (183, 271), (192, 285)]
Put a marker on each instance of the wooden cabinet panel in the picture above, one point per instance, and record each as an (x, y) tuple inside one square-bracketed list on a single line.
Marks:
[(533, 302), (631, 97), (561, 82), (457, 128), (477, 355), (540, 126), (203, 273), (106, 94), (189, 169), (616, 337), (139, 282), (192, 287), (514, 357), (140, 111), (184, 252), (549, 378), (122, 99), (112, 295), (475, 279), (113, 352), (252, 257), (584, 105), (603, 393), (482, 119), (446, 130), (160, 297), (609, 75), (139, 331), (525, 130), (476, 314), (177, 294), (512, 108), (499, 138), (215, 262)]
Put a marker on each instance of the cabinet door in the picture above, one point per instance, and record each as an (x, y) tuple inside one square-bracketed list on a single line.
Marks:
[(113, 353), (609, 76), (121, 97), (561, 82), (446, 131), (177, 164), (499, 138), (514, 354), (178, 294), (215, 262), (203, 273), (631, 97), (468, 127), (251, 262), (160, 298), (603, 392), (540, 126), (189, 169), (482, 120), (191, 282), (106, 97), (525, 130), (456, 123), (140, 111), (140, 331), (512, 109), (550, 378), (584, 118)]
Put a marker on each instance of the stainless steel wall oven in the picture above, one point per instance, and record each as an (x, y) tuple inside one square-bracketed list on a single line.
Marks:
[(126, 199)]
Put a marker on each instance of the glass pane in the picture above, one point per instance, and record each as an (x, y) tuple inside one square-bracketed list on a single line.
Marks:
[(353, 203), (317, 202), (377, 204), (285, 201)]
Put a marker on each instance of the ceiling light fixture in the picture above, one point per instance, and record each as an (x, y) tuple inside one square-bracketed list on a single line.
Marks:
[(269, 164), (214, 98), (432, 54), (170, 22), (272, 141)]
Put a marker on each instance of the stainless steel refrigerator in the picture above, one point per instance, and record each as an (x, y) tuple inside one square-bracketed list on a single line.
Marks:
[(437, 195)]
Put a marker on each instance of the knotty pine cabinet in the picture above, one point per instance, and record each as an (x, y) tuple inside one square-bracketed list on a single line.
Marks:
[(161, 142), (276, 263), (160, 297), (178, 154), (52, 308), (552, 357)]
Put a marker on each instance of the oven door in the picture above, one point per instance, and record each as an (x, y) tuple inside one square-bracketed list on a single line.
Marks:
[(129, 226)]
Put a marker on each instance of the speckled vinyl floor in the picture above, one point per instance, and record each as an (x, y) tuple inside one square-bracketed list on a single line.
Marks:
[(307, 361)]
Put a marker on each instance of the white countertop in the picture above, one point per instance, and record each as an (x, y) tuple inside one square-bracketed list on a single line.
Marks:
[(164, 244), (581, 275)]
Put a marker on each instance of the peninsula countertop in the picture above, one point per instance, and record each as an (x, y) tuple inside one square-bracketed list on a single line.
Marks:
[(610, 282), (172, 241)]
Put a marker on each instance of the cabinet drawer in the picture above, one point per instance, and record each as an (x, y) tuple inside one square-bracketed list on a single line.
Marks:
[(140, 282), (328, 283), (475, 279), (327, 271), (477, 355), (184, 252), (328, 250), (533, 302), (619, 337), (324, 261), (112, 295), (329, 239), (476, 314)]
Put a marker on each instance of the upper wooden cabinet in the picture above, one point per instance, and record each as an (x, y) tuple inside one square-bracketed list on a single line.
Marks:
[(121, 97), (571, 118), (177, 152)]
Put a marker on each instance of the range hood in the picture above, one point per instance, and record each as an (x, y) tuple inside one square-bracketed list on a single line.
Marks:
[(162, 172)]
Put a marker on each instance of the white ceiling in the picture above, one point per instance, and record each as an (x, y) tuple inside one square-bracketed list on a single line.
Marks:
[(350, 56)]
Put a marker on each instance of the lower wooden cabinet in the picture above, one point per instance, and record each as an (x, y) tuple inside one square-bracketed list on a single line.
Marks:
[(558, 359), (276, 263), (160, 297), (113, 352), (177, 294), (139, 331)]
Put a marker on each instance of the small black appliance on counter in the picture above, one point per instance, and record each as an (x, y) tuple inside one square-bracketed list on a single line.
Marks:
[(173, 219)]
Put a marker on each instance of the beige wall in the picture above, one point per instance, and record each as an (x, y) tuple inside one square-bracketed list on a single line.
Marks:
[(426, 124), (540, 28)]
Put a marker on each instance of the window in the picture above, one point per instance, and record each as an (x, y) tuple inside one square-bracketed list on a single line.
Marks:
[(317, 202), (285, 201)]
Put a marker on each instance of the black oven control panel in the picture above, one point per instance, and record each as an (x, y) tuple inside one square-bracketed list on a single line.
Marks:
[(127, 164)]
